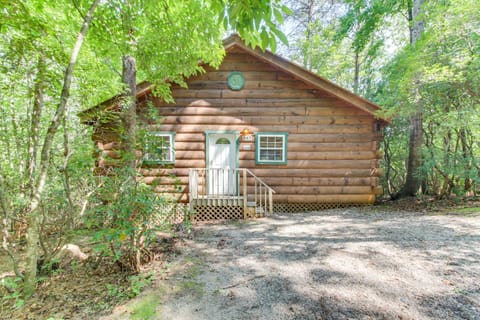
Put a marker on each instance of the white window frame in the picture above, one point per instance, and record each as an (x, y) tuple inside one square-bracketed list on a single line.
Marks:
[(149, 159), (258, 149)]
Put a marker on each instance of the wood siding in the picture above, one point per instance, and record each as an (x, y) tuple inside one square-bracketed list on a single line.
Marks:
[(333, 154)]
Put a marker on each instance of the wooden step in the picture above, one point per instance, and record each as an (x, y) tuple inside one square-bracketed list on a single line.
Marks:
[(218, 202)]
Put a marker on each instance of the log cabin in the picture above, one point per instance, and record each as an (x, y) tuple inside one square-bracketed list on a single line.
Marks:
[(257, 135)]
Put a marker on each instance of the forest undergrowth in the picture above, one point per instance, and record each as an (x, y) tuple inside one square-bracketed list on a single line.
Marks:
[(74, 289)]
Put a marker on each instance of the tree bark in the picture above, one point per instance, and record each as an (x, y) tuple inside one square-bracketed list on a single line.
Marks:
[(33, 215), (5, 226), (307, 61), (412, 181), (35, 124), (66, 174), (418, 24), (129, 114), (410, 19), (356, 74), (129, 122), (467, 157)]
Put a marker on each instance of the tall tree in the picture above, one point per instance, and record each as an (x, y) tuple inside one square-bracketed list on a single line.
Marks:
[(166, 40), (307, 22), (327, 38), (437, 72), (413, 180), (365, 18), (31, 54), (33, 214)]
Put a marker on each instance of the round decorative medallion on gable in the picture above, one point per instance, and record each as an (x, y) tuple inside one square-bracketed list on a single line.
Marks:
[(236, 80)]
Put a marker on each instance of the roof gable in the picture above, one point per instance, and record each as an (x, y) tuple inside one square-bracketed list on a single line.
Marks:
[(235, 43)]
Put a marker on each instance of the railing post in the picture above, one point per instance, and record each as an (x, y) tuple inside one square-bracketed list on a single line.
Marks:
[(193, 184), (192, 187), (237, 182), (204, 182), (245, 194), (270, 202)]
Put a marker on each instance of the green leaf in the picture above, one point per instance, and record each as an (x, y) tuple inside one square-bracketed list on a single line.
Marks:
[(265, 39), (273, 45), (281, 36), (19, 303), (286, 10), (278, 15)]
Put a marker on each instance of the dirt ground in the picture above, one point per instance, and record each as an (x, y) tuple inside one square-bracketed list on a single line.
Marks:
[(367, 263)]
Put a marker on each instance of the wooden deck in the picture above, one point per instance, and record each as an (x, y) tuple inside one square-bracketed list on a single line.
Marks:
[(217, 201), (224, 192)]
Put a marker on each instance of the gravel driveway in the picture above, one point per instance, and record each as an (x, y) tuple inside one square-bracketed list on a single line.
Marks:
[(337, 264)]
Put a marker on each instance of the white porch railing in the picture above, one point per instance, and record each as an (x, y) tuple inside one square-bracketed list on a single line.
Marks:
[(225, 186)]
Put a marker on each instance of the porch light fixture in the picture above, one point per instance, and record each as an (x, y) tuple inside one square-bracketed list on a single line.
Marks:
[(246, 132)]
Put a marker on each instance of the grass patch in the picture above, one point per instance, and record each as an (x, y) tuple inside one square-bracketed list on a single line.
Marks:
[(472, 211), (145, 308), (467, 211), (192, 287), (192, 267), (193, 271), (189, 285)]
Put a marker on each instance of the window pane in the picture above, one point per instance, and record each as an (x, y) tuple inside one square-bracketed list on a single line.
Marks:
[(278, 142), (271, 155), (163, 148), (158, 147), (222, 141), (271, 148)]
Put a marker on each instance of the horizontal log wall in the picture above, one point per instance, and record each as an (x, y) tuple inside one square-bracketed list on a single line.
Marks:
[(332, 153)]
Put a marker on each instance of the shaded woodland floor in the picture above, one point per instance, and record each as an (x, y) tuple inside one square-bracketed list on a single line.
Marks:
[(407, 261), (369, 263)]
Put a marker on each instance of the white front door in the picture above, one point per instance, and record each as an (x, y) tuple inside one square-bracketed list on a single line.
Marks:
[(222, 161)]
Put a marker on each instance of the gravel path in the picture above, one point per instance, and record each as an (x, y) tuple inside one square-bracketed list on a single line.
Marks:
[(337, 264)]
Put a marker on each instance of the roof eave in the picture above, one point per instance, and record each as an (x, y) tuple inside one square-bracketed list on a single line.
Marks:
[(305, 75), (299, 72), (90, 115)]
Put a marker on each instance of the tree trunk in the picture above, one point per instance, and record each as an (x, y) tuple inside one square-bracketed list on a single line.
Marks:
[(356, 75), (18, 144), (66, 174), (129, 114), (34, 136), (307, 61), (467, 158), (413, 182), (418, 24), (33, 215), (410, 20), (129, 122), (5, 226)]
